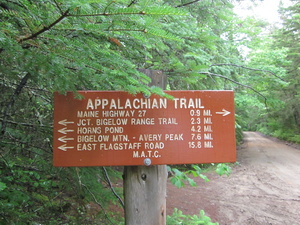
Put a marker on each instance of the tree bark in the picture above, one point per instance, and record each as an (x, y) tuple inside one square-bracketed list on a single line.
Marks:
[(145, 195)]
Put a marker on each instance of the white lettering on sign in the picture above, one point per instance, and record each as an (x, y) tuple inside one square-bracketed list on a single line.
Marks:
[(206, 112), (92, 138), (114, 130), (207, 120), (84, 122), (174, 137), (207, 136), (140, 103), (118, 113), (150, 137), (167, 121), (195, 144), (120, 138), (208, 128), (191, 103), (86, 147), (89, 130), (136, 103), (142, 121), (208, 144), (145, 154), (154, 145), (111, 122), (88, 114), (120, 146)]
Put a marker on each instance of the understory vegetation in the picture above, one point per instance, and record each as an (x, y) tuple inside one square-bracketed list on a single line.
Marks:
[(56, 45)]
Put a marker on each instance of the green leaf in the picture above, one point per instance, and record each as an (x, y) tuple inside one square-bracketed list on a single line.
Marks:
[(177, 182), (192, 182), (205, 178), (223, 169), (2, 186)]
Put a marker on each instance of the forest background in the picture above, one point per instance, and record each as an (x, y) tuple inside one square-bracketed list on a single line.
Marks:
[(55, 45)]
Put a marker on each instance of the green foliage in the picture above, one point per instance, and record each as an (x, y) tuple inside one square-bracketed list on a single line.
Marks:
[(178, 218), (182, 176), (238, 129), (294, 138), (276, 61), (74, 45), (35, 195), (26, 194), (56, 45), (223, 169), (179, 177), (2, 186)]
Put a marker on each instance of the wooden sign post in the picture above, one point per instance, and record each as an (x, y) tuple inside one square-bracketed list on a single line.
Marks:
[(145, 187), (144, 133)]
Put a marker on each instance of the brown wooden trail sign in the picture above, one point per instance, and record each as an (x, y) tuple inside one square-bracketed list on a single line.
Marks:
[(108, 128)]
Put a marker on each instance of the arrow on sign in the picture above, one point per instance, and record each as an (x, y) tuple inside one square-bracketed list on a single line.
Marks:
[(65, 130), (65, 122), (224, 112), (65, 139), (65, 147)]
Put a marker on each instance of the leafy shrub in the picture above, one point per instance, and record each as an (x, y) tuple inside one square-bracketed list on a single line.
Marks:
[(295, 139), (30, 192), (223, 169), (178, 218), (179, 178), (182, 176), (238, 129)]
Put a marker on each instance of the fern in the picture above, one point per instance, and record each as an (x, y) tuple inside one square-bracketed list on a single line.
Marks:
[(162, 34)]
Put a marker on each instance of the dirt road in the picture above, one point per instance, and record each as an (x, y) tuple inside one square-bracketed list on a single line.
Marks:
[(263, 189)]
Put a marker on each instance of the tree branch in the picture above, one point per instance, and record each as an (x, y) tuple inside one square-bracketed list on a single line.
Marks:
[(58, 6), (108, 14), (97, 202), (66, 14), (45, 28), (111, 187), (236, 82), (12, 102), (188, 3), (248, 68), (132, 3), (108, 6), (27, 124)]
